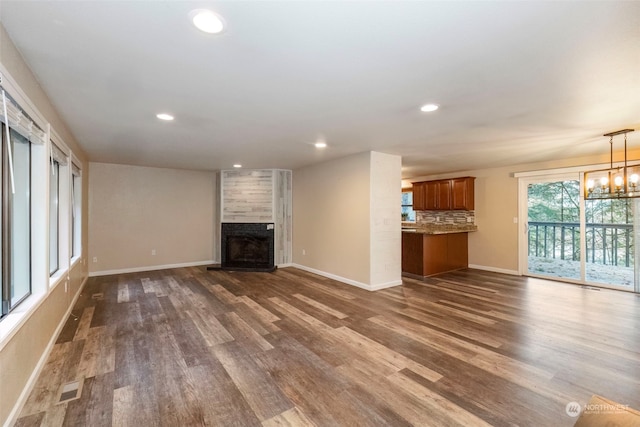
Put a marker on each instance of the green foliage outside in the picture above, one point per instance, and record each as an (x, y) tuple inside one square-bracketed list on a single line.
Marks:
[(609, 230)]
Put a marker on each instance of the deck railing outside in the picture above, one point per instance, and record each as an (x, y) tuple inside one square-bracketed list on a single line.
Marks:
[(607, 244)]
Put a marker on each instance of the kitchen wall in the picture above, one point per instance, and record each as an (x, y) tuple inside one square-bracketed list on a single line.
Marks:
[(445, 217), (495, 245), (25, 347), (335, 232), (135, 210)]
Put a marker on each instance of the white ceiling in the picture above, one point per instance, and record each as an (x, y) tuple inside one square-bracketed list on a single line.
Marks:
[(517, 81)]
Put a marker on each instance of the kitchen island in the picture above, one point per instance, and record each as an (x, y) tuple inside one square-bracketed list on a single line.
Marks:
[(435, 249)]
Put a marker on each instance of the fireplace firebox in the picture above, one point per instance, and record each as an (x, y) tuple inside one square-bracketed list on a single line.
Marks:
[(247, 246)]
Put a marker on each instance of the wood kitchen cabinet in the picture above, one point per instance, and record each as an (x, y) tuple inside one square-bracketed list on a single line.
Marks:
[(444, 194), (419, 201), (429, 254), (437, 195), (462, 193)]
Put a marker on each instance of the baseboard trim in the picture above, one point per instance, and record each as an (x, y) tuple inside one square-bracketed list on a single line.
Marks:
[(348, 281), (285, 265), (495, 269), (31, 382), (381, 286), (149, 268)]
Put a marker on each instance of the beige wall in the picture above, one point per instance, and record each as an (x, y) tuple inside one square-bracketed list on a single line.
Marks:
[(331, 205), (495, 244), (346, 219), (20, 354), (134, 210)]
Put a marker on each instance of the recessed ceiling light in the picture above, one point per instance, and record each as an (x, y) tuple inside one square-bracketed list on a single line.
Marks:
[(237, 165), (320, 144), (165, 116), (427, 108), (207, 21)]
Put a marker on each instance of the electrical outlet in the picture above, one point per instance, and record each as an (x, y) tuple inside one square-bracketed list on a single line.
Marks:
[(95, 259), (153, 251), (304, 252)]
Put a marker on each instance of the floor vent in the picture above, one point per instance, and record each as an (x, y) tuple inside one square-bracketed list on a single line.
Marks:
[(70, 391), (98, 296), (591, 288)]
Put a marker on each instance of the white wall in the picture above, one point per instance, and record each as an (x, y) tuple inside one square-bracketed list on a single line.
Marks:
[(386, 233), (134, 210)]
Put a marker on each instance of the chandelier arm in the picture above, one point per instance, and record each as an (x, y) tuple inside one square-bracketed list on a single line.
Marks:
[(612, 185), (626, 182), (611, 152)]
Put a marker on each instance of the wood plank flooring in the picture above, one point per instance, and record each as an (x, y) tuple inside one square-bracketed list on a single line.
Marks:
[(190, 347)]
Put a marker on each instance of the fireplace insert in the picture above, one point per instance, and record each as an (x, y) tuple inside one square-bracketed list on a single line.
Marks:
[(248, 246)]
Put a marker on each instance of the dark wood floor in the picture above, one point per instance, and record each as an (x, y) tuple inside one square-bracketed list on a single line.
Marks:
[(187, 347)]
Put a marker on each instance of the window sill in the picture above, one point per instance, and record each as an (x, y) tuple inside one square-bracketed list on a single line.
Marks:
[(57, 277), (74, 261), (12, 322)]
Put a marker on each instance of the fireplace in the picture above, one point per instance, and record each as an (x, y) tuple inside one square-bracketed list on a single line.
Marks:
[(247, 246)]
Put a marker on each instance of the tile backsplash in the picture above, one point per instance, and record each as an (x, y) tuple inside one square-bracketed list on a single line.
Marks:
[(445, 217)]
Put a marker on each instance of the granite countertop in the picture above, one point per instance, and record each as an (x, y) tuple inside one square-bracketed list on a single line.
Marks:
[(439, 228)]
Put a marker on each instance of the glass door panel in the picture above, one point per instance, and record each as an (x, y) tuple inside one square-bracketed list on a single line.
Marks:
[(553, 229), (609, 237)]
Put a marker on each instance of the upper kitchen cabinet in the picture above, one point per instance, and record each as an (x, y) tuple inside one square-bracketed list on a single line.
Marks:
[(462, 192), (444, 194), (437, 195), (419, 201)]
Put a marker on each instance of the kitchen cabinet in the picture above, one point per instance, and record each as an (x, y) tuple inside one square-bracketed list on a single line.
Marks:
[(419, 201), (444, 194), (428, 254), (462, 193)]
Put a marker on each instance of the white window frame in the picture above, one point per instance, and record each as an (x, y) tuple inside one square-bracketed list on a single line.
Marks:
[(75, 225), (64, 212)]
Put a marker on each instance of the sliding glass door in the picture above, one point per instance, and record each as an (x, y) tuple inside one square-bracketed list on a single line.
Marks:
[(609, 237), (566, 237), (553, 228)]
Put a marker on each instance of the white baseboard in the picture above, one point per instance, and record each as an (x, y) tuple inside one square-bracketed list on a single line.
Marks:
[(391, 284), (348, 281), (149, 268), (495, 270), (28, 388)]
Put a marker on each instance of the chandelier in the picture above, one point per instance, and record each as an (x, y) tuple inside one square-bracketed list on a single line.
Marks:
[(619, 182)]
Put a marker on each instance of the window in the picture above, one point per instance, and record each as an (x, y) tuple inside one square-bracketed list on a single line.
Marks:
[(54, 190), (408, 214), (76, 212), (56, 182), (15, 226)]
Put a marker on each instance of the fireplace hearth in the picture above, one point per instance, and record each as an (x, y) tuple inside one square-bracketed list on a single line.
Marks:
[(247, 246)]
